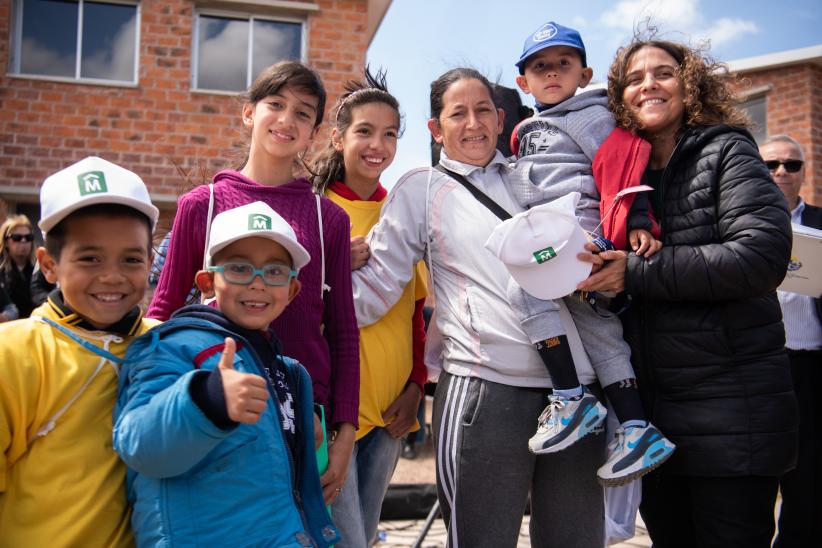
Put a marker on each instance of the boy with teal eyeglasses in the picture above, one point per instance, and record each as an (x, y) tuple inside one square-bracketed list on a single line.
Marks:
[(215, 425)]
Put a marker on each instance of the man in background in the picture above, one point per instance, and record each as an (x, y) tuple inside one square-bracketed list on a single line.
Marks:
[(800, 520)]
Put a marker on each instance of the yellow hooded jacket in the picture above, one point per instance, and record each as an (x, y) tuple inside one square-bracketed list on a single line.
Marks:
[(63, 486)]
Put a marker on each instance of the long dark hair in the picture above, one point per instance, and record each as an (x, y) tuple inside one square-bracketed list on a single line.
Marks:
[(291, 74), (329, 165)]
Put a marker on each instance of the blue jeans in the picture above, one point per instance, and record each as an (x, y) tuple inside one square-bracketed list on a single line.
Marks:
[(356, 512)]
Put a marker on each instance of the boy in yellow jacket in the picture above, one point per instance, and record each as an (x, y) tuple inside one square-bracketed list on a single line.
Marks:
[(61, 483)]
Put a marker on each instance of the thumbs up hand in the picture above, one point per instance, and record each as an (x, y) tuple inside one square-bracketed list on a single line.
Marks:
[(246, 395)]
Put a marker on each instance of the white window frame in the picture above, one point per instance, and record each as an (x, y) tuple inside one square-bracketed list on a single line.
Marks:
[(250, 17), (17, 44)]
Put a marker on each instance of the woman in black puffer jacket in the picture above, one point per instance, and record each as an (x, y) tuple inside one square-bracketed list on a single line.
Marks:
[(705, 329)]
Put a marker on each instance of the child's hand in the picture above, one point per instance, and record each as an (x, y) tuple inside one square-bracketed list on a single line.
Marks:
[(246, 395), (643, 243), (402, 413), (318, 432), (359, 252)]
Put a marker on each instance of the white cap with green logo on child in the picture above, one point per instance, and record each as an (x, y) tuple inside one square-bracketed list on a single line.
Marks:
[(539, 248), (255, 219), (89, 182)]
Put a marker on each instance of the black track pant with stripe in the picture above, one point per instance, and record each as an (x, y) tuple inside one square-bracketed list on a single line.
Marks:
[(485, 470)]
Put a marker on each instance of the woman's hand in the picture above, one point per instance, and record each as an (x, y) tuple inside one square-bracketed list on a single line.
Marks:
[(608, 273), (339, 457), (402, 413), (359, 252)]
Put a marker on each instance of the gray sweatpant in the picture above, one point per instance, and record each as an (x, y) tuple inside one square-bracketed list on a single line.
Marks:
[(601, 337), (485, 470)]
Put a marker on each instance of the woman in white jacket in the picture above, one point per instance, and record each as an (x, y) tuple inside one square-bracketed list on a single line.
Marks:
[(493, 383)]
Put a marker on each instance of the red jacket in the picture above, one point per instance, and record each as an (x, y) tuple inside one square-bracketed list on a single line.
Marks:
[(620, 162)]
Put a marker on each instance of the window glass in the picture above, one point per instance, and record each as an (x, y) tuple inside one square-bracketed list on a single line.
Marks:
[(757, 110), (49, 38), (49, 41), (274, 41), (108, 41), (223, 53), (223, 45)]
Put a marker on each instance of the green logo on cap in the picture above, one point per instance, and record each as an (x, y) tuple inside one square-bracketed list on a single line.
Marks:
[(92, 182), (544, 255), (257, 221)]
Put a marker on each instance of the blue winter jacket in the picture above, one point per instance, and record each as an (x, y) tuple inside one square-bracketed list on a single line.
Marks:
[(194, 484)]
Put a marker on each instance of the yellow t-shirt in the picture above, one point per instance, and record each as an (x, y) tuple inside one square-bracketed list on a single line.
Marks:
[(66, 488), (385, 346)]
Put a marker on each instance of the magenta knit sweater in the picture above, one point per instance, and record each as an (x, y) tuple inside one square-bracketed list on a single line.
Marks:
[(321, 333)]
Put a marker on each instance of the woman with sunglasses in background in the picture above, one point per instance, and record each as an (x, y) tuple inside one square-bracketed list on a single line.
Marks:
[(17, 262)]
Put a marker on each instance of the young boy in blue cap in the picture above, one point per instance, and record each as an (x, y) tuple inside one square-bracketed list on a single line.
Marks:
[(555, 152), (216, 426)]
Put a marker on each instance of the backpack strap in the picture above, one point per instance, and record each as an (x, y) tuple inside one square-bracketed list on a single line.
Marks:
[(208, 223), (323, 286), (482, 197)]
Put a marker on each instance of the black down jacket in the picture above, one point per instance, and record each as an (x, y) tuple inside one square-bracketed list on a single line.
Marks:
[(706, 329)]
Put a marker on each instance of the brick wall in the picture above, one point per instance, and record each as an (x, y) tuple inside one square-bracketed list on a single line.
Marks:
[(794, 106), (161, 130)]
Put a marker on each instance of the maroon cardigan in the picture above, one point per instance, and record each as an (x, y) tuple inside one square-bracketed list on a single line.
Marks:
[(318, 331)]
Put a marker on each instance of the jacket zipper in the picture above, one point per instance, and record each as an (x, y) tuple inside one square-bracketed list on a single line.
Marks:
[(298, 501), (662, 179), (644, 323), (292, 467)]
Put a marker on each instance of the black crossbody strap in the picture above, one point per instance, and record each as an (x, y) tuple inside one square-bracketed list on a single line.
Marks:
[(482, 197)]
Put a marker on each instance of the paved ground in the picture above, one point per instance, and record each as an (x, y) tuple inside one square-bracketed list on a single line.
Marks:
[(405, 533), (421, 470)]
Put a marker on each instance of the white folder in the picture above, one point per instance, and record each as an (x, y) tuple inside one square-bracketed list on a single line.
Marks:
[(805, 269)]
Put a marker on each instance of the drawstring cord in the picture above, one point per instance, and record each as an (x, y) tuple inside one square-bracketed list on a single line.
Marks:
[(105, 357)]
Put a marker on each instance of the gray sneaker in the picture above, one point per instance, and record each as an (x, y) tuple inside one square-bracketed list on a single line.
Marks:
[(564, 422), (634, 452)]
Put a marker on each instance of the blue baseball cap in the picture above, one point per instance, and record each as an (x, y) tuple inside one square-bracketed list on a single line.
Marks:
[(550, 34)]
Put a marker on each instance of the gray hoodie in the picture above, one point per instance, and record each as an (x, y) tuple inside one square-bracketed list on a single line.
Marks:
[(558, 146)]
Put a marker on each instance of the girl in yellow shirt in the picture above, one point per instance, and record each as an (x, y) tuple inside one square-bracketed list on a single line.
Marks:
[(365, 128)]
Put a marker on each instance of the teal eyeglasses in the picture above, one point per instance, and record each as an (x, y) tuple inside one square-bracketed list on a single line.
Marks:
[(244, 273)]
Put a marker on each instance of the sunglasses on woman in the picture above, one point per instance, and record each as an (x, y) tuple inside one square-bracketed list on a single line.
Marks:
[(20, 237), (791, 166)]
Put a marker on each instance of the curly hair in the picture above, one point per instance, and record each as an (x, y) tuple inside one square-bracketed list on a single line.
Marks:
[(707, 93), (329, 165)]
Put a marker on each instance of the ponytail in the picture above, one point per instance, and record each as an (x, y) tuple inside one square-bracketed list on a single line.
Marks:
[(329, 165)]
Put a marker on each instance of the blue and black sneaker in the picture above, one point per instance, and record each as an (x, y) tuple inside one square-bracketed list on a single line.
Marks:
[(566, 421), (634, 452)]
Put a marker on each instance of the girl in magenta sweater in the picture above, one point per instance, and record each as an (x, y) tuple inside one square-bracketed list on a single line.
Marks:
[(282, 110)]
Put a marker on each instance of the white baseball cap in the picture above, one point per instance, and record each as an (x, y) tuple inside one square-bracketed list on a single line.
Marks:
[(255, 219), (539, 248), (88, 182)]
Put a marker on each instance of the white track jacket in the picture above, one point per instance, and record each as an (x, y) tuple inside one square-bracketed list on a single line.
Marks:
[(430, 216)]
